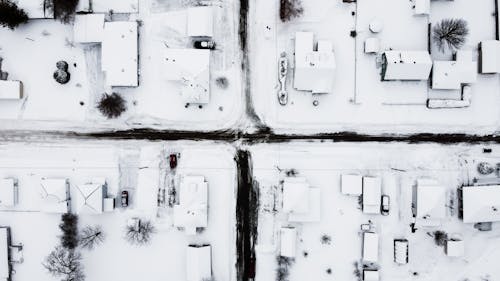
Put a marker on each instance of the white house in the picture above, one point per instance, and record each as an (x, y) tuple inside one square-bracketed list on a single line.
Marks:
[(370, 247), (55, 195), (8, 192), (88, 28), (199, 263), (480, 203), (451, 75), (89, 198), (190, 67), (192, 211), (5, 267), (119, 54), (489, 56), (11, 90), (351, 184), (288, 242), (200, 21), (314, 69), (406, 65), (430, 202), (300, 201), (372, 195)]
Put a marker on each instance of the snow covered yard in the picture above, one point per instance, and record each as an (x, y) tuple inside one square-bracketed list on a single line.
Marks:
[(165, 256), (399, 166)]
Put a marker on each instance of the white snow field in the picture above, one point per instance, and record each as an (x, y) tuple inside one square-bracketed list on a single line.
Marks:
[(398, 166), (360, 101), (165, 257)]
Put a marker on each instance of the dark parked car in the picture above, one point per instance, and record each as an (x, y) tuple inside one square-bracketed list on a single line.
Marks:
[(173, 160), (204, 44), (124, 199), (386, 205)]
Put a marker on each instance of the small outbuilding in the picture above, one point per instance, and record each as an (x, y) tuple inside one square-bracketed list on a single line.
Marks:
[(55, 195), (8, 192), (314, 69), (199, 263), (11, 90), (288, 243), (351, 184), (489, 57), (200, 21), (372, 195), (371, 275), (370, 247), (192, 211), (406, 65), (455, 248)]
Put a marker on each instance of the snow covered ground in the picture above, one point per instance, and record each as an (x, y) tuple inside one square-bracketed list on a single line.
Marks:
[(360, 101), (399, 166), (165, 257)]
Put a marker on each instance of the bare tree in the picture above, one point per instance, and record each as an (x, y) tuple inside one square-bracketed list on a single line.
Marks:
[(112, 106), (290, 9), (64, 10), (450, 33), (11, 15), (140, 234), (91, 236), (65, 263)]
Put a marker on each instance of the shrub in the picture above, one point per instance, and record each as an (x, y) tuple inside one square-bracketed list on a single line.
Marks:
[(91, 236), (290, 9), (65, 263), (112, 106), (11, 16), (450, 33), (69, 228)]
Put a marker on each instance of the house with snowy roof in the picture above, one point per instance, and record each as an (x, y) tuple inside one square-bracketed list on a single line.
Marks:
[(54, 193), (192, 211), (429, 200), (89, 197), (480, 203), (406, 65), (300, 201)]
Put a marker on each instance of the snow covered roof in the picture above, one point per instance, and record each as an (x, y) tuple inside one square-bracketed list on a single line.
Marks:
[(89, 198), (431, 201), (35, 9), (450, 75), (200, 21), (119, 53), (370, 275), (4, 254), (422, 7), (54, 192), (370, 247), (455, 248), (351, 184), (8, 192), (88, 28), (288, 242), (313, 213), (192, 68), (198, 263), (490, 56), (481, 203), (11, 89), (295, 192), (407, 65), (192, 212), (314, 70), (118, 7), (372, 193)]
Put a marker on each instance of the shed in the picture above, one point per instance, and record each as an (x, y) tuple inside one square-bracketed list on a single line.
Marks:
[(55, 195), (11, 90), (430, 200), (109, 205), (372, 195), (200, 21), (406, 65), (489, 57), (480, 203), (5, 268), (8, 192), (119, 54), (288, 243), (351, 184), (89, 198), (422, 7), (314, 69), (199, 263), (372, 45), (371, 275), (88, 28), (370, 247), (191, 67), (455, 248), (192, 210)]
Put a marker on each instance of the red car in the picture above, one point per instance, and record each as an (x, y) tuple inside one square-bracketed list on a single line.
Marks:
[(173, 160), (124, 199)]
